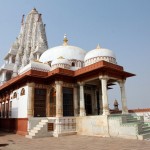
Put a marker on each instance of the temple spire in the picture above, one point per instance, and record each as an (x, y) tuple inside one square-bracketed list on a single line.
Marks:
[(22, 21), (98, 46), (65, 40)]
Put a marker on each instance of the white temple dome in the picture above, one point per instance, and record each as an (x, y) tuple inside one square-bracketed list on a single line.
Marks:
[(99, 54), (68, 52), (60, 60), (72, 53)]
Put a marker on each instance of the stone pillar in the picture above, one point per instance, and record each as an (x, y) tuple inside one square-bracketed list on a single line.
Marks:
[(104, 95), (123, 97), (75, 99), (3, 76), (30, 104), (100, 101), (38, 56), (10, 59), (48, 102), (59, 99), (82, 101)]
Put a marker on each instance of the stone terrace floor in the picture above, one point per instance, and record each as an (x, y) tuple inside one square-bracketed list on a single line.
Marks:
[(75, 142)]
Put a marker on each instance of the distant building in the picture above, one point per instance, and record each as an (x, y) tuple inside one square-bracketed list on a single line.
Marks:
[(61, 90)]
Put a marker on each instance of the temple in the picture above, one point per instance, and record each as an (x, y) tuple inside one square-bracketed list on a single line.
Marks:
[(62, 90)]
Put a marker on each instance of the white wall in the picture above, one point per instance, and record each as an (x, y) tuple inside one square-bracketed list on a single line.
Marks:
[(19, 104)]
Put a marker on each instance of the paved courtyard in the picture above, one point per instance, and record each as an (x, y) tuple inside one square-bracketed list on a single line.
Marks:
[(75, 142)]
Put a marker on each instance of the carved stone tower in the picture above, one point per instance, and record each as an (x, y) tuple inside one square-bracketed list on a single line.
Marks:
[(31, 42)]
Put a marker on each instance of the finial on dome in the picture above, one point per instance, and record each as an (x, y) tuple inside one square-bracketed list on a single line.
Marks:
[(65, 40), (98, 46)]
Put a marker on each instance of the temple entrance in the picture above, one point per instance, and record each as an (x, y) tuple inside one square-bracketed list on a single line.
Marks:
[(52, 103), (40, 102), (68, 102), (88, 104)]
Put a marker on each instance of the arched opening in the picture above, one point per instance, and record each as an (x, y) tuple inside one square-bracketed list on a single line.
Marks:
[(15, 95), (22, 92), (73, 64)]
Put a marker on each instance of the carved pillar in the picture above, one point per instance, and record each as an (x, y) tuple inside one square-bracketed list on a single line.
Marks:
[(59, 99), (10, 59), (82, 100), (100, 101), (75, 98), (3, 76), (48, 102), (123, 97), (104, 80), (38, 56), (30, 104)]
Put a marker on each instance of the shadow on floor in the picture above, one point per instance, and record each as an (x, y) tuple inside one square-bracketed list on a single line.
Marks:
[(3, 145)]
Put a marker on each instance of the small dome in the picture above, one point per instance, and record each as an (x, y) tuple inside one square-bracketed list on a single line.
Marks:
[(60, 60), (99, 54)]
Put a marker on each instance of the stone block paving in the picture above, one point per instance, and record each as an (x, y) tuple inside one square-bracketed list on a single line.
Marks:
[(74, 142)]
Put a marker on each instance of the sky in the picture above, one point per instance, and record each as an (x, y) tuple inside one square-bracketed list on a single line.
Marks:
[(122, 26)]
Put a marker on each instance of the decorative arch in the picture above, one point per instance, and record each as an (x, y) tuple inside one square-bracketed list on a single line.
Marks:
[(73, 64), (15, 95), (22, 92)]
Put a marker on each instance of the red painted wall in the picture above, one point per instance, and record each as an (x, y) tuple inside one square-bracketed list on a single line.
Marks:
[(16, 125)]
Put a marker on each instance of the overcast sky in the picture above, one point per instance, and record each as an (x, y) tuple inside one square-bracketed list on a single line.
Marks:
[(122, 26)]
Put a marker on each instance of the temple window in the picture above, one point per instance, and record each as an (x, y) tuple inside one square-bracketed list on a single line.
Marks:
[(22, 92), (15, 95), (73, 64)]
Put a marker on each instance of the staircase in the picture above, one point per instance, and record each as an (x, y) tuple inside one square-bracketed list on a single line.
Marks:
[(129, 126), (40, 130), (51, 126)]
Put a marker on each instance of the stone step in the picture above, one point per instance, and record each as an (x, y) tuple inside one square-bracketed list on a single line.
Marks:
[(40, 125), (37, 128), (44, 121), (33, 131), (32, 134), (29, 136), (132, 121), (146, 136), (145, 127), (146, 131)]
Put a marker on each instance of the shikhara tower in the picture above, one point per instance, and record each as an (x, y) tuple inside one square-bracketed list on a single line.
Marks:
[(29, 45)]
